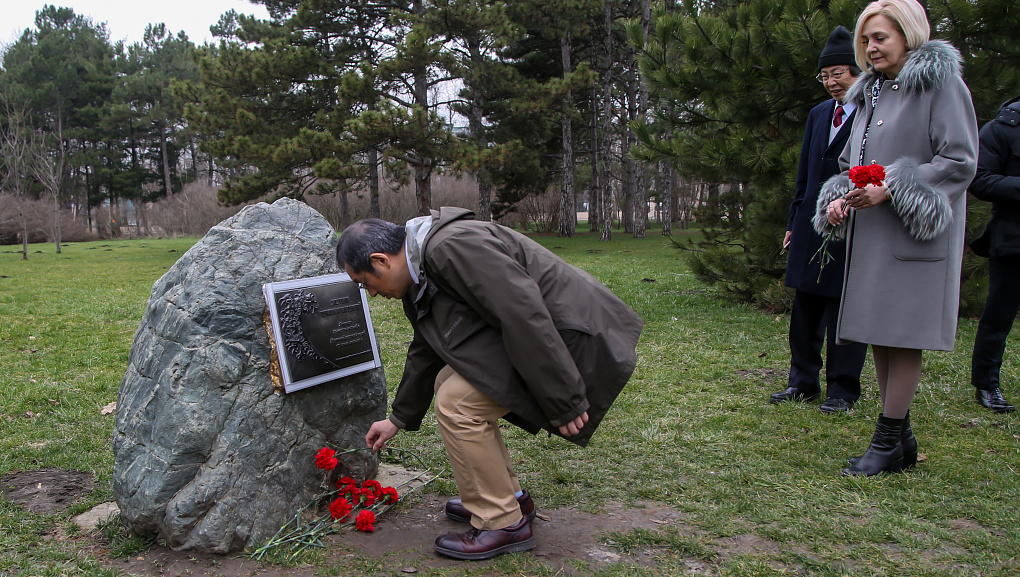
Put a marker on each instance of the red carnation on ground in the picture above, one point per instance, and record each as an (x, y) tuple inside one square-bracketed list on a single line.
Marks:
[(350, 492), (389, 495), (366, 498), (340, 509), (372, 485), (862, 176), (325, 459), (365, 521)]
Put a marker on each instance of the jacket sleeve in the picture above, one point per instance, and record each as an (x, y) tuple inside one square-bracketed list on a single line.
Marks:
[(992, 184), (417, 385), (923, 192), (483, 271), (802, 170)]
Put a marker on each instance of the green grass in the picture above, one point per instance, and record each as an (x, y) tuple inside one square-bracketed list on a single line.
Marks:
[(692, 430)]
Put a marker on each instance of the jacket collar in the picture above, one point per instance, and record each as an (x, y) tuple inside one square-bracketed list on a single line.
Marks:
[(928, 67), (1010, 112)]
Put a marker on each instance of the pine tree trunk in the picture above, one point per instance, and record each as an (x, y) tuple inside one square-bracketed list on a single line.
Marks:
[(477, 130), (667, 199), (373, 182), (166, 159), (345, 210), (640, 180), (423, 185), (607, 203), (568, 213), (595, 194)]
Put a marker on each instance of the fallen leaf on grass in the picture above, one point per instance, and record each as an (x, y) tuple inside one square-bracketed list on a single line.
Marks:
[(109, 408)]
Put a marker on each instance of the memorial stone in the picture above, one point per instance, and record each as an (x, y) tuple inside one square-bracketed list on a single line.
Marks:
[(206, 454)]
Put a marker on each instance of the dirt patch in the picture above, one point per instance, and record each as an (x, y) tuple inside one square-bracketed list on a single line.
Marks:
[(767, 375), (568, 540), (45, 491), (571, 541)]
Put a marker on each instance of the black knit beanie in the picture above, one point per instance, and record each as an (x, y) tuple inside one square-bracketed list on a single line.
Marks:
[(839, 49)]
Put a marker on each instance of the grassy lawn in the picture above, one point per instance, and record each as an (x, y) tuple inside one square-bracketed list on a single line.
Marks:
[(692, 430)]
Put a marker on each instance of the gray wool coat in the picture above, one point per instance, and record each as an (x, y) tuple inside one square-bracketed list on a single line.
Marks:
[(902, 276)]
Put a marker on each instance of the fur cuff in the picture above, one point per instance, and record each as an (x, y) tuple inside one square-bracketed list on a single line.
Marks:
[(835, 187), (925, 211)]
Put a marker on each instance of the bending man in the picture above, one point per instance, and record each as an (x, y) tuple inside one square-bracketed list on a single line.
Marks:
[(502, 328)]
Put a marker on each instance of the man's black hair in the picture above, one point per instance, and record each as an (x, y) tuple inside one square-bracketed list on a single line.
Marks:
[(359, 240)]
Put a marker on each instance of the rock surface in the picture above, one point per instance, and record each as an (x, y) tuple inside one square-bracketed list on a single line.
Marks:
[(205, 453)]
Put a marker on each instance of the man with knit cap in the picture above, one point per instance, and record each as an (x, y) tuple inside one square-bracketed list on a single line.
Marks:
[(816, 303)]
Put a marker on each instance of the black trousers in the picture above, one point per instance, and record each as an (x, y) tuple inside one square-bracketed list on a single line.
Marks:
[(996, 320), (812, 323)]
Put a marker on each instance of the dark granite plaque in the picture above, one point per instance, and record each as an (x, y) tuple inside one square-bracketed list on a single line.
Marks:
[(322, 329)]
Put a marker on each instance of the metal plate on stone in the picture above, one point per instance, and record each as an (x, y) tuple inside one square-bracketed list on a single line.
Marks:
[(323, 329)]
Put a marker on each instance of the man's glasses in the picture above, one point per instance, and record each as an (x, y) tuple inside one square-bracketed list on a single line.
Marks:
[(824, 77)]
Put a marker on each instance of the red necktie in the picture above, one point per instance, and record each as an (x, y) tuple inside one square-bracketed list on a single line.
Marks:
[(837, 120)]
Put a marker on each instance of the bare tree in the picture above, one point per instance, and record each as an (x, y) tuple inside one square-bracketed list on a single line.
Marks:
[(48, 168), (16, 146)]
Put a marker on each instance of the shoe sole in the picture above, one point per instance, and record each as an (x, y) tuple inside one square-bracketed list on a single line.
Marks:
[(997, 410), (800, 399), (508, 548), (897, 467), (459, 519)]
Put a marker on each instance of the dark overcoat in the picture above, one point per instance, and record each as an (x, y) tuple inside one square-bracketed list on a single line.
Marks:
[(998, 182), (542, 338), (902, 279), (819, 160)]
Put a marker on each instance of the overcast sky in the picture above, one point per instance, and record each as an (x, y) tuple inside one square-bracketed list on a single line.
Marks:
[(126, 19)]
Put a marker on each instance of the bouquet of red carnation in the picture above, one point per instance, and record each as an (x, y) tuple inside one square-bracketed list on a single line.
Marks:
[(353, 505), (860, 176), (368, 500)]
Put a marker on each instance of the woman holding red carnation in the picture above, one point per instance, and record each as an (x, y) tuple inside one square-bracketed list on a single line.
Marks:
[(905, 233)]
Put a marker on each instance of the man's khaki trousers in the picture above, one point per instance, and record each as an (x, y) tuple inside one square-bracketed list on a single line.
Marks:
[(479, 459)]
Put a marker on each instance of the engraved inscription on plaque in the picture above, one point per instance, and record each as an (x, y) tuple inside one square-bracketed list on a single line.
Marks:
[(322, 328)]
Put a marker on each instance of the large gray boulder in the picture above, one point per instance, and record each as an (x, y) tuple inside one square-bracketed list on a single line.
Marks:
[(205, 453)]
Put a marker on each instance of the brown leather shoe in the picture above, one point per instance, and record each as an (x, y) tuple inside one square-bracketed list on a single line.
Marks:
[(476, 544), (456, 512)]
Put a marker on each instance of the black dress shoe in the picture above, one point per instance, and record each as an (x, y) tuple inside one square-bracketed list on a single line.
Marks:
[(834, 405), (792, 394), (456, 512), (477, 544), (993, 399)]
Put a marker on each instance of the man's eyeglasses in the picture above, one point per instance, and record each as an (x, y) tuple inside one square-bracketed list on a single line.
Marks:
[(824, 77)]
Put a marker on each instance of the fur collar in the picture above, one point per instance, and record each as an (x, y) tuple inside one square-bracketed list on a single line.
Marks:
[(928, 67)]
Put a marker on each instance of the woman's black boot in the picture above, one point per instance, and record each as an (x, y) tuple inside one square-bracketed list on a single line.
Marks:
[(908, 441), (885, 453)]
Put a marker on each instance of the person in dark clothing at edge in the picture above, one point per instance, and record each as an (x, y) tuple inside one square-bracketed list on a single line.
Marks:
[(503, 328), (998, 181), (816, 302)]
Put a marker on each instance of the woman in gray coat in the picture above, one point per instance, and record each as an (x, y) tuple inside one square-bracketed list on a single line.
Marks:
[(906, 235)]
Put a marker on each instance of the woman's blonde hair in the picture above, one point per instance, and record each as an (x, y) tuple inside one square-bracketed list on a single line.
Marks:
[(908, 15)]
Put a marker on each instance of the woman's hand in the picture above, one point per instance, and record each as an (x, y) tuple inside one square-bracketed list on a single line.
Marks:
[(867, 197), (836, 212)]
